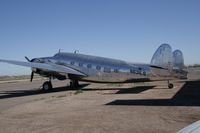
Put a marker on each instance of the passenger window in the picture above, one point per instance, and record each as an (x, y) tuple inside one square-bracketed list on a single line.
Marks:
[(98, 67), (72, 62), (107, 70), (80, 64), (89, 66)]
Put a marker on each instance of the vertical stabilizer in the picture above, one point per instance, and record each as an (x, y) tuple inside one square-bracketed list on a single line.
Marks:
[(178, 60), (163, 56)]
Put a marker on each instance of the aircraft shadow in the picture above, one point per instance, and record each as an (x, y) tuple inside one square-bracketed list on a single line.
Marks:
[(22, 93), (132, 90), (188, 95)]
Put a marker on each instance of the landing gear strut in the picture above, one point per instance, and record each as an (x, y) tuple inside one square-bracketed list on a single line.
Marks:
[(74, 83), (170, 85)]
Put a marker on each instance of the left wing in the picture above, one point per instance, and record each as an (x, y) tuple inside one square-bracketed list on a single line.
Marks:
[(46, 66)]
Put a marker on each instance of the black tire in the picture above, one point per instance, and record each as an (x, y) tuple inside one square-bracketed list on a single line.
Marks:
[(170, 86), (47, 86)]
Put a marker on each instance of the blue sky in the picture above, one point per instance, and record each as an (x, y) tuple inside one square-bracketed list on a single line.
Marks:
[(124, 29)]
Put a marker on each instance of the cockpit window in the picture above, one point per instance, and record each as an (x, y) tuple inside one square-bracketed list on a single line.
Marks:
[(38, 60)]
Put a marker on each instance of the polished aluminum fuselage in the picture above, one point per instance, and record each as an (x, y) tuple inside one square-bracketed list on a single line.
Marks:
[(100, 69)]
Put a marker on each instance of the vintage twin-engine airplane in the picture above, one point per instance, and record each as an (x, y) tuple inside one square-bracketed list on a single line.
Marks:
[(165, 65)]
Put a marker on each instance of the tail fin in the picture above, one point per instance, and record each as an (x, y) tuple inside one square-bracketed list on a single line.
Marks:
[(178, 65), (163, 57), (173, 61), (178, 60)]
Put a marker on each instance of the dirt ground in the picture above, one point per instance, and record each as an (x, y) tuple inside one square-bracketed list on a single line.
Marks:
[(99, 108)]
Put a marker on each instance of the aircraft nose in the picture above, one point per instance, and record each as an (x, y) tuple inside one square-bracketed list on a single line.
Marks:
[(33, 60), (37, 60)]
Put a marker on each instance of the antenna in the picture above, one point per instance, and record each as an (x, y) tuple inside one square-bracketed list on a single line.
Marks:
[(60, 50)]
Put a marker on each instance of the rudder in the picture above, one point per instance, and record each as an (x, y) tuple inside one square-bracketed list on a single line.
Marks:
[(163, 56), (178, 60)]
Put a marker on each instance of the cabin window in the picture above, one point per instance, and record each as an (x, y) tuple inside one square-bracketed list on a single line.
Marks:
[(72, 62), (80, 64), (98, 67), (116, 70), (107, 70), (89, 66)]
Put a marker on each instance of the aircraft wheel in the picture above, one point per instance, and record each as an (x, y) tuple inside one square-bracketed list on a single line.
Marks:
[(170, 86), (47, 86)]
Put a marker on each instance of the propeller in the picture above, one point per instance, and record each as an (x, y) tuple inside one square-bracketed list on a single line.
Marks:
[(32, 73), (27, 59)]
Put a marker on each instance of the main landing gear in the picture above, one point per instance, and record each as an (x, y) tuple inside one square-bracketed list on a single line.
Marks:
[(47, 86), (74, 83), (170, 85)]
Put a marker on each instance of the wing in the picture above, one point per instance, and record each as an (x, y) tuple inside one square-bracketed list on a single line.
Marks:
[(193, 128), (46, 66)]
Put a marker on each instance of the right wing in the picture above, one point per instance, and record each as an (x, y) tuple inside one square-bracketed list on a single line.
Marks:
[(46, 66)]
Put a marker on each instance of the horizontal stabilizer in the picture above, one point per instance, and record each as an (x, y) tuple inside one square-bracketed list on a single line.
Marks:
[(158, 67)]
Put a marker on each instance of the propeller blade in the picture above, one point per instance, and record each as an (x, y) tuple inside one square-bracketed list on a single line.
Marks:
[(32, 75), (27, 59)]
